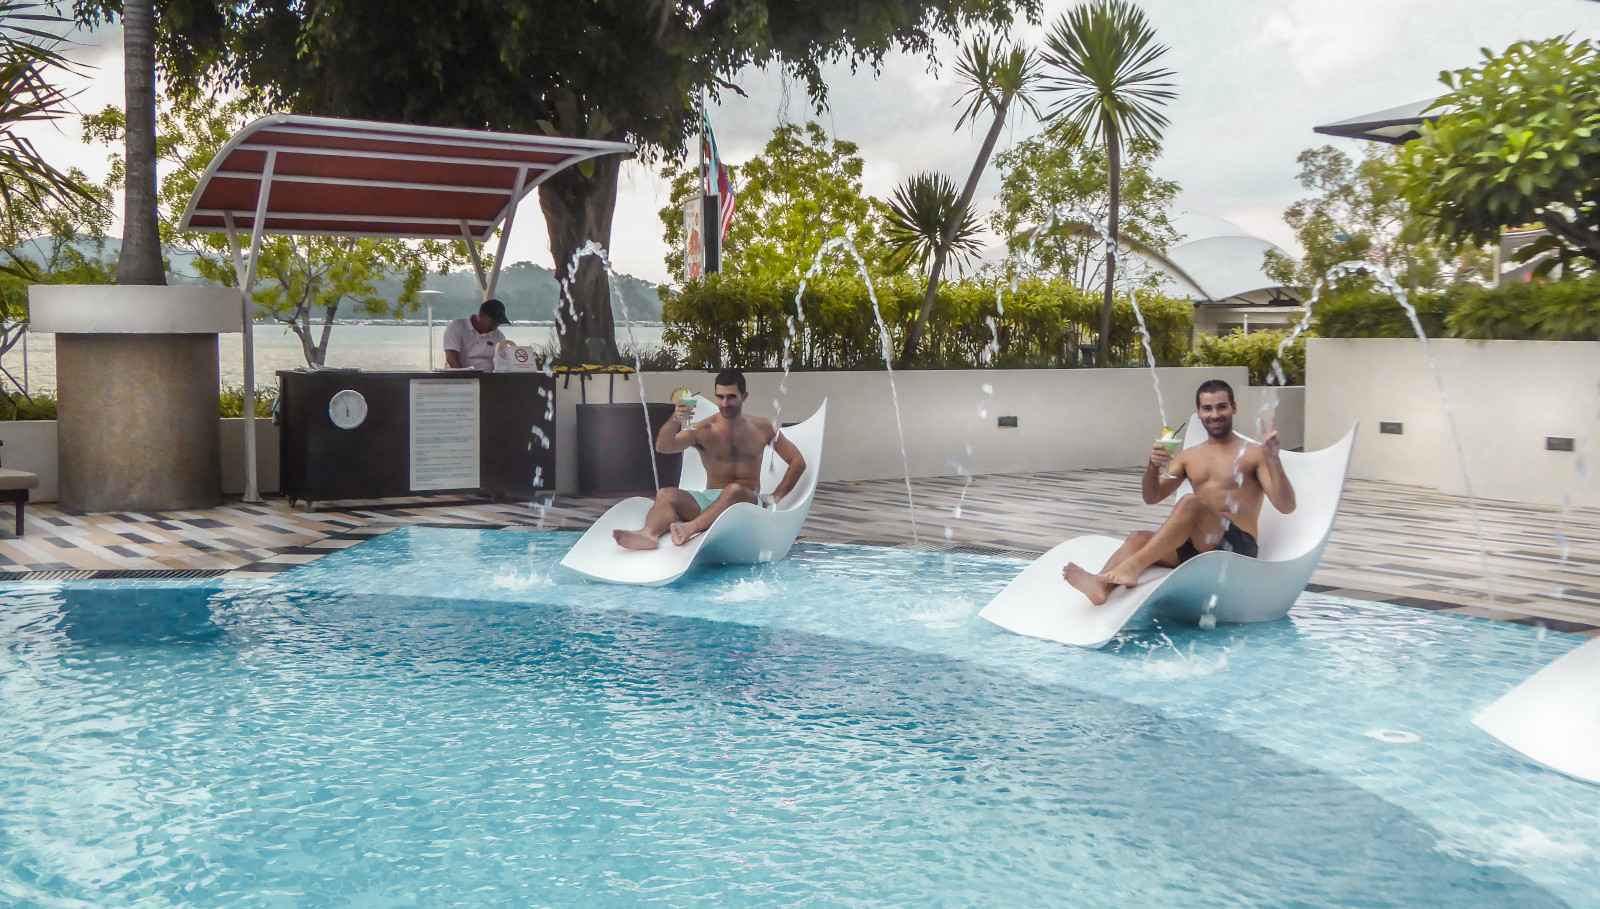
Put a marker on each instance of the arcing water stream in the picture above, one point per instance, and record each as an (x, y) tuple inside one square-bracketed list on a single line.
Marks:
[(846, 244)]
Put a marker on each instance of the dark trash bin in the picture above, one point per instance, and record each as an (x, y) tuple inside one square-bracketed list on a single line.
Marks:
[(614, 452)]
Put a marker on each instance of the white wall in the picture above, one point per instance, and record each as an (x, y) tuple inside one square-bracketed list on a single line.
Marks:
[(1507, 397), (31, 445), (1067, 418), (233, 455)]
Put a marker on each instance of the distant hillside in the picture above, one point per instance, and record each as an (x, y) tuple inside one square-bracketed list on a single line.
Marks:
[(528, 290)]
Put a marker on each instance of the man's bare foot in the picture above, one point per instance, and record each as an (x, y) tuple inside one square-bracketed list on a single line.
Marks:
[(634, 539), (682, 532), (1121, 576), (1087, 584)]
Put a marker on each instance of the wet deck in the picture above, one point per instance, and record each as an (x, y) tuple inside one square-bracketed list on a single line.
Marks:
[(1392, 543)]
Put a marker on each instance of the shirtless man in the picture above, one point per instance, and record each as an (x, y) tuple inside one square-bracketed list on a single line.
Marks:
[(1222, 511), (731, 445)]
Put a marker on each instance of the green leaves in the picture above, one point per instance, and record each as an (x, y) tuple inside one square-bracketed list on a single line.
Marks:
[(1256, 352), (1358, 211), (1517, 141), (922, 208), (29, 59), (729, 320), (803, 188), (1050, 177), (1101, 62)]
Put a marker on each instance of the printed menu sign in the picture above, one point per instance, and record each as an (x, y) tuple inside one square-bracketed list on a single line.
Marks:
[(444, 434)]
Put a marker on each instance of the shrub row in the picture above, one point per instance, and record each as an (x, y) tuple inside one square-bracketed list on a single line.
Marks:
[(43, 406), (1255, 351), (731, 321), (1566, 310)]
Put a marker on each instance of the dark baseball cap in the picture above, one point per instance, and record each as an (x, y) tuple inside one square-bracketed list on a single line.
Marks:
[(495, 310)]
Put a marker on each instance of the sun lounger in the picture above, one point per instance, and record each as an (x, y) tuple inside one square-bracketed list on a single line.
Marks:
[(744, 534), (1228, 587), (1554, 717)]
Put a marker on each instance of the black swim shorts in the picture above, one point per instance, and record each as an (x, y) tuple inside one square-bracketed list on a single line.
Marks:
[(1233, 540)]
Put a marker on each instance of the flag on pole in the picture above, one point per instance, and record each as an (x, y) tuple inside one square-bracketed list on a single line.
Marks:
[(717, 181)]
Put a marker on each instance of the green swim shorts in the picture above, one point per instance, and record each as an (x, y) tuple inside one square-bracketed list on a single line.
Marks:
[(704, 497)]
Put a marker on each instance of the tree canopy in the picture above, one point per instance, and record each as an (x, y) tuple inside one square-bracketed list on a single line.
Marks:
[(1357, 211), (803, 189), (1048, 181), (1518, 142), (608, 69)]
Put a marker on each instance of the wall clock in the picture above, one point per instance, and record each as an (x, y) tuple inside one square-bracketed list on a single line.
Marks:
[(347, 409)]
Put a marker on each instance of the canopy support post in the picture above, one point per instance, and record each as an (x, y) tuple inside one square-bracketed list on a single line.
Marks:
[(246, 276), (472, 254), (505, 232)]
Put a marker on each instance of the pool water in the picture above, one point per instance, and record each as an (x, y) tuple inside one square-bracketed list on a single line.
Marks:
[(446, 717)]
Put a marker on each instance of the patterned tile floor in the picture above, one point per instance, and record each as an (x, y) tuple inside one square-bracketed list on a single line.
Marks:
[(1392, 543)]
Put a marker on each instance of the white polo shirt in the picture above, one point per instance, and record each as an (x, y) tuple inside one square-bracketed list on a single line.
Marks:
[(476, 349)]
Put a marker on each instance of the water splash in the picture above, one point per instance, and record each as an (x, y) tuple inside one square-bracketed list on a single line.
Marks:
[(745, 590), (846, 244), (1111, 251), (1387, 279), (513, 579), (591, 248)]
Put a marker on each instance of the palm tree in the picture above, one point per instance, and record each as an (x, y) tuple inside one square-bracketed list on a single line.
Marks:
[(140, 259), (1103, 58), (28, 55), (925, 225), (996, 76)]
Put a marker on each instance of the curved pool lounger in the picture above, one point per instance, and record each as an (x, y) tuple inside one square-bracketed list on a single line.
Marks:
[(1038, 603), (1554, 717), (743, 534)]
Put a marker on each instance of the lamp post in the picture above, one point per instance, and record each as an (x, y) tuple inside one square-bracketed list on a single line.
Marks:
[(430, 294)]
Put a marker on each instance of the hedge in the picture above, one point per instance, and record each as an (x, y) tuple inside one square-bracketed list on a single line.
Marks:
[(1255, 351), (732, 321), (1567, 310), (230, 401)]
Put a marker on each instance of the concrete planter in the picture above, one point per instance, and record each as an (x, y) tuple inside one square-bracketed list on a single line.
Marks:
[(136, 375)]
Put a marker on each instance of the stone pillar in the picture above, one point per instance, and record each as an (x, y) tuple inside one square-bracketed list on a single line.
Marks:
[(136, 381)]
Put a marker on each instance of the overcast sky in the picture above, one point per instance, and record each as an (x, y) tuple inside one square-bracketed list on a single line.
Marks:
[(1254, 76)]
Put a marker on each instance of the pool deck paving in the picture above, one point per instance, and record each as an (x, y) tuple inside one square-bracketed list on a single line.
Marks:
[(1392, 543)]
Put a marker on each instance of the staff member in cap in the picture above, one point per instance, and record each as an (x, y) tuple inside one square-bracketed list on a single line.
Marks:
[(470, 342)]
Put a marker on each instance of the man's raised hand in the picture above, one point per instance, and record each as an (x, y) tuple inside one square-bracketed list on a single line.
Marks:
[(1269, 445)]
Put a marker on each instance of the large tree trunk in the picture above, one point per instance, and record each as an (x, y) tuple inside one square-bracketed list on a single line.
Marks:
[(140, 259), (914, 336), (1114, 174), (577, 210)]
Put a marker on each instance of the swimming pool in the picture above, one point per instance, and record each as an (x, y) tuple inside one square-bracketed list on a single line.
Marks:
[(442, 717)]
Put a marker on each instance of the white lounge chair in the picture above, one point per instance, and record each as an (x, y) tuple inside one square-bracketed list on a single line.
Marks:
[(1554, 717), (743, 534), (1232, 588)]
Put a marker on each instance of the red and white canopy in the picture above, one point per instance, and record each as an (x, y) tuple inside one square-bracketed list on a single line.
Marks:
[(369, 179)]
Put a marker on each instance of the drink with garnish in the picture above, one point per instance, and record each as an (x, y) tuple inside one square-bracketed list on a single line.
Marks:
[(1172, 443), (683, 398)]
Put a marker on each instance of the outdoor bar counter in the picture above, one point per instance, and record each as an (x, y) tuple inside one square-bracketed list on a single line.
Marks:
[(349, 434)]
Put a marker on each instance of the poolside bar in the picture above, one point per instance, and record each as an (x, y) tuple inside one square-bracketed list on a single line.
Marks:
[(348, 434), (319, 176)]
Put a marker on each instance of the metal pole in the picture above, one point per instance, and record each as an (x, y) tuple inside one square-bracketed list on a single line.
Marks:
[(430, 335), (25, 388), (505, 233), (247, 279), (472, 254)]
